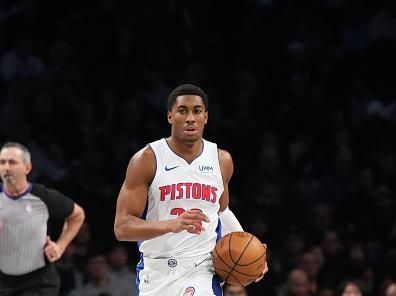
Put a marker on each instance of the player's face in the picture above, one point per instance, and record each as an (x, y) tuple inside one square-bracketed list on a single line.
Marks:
[(13, 168), (188, 118)]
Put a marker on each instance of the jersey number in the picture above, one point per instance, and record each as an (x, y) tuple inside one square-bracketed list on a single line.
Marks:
[(179, 211)]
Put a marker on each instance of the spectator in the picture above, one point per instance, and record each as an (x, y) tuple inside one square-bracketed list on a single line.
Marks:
[(99, 279), (118, 266)]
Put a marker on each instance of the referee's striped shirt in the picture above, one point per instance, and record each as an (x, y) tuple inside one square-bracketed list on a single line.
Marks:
[(23, 226)]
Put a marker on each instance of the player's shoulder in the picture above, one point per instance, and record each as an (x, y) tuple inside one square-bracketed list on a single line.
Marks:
[(226, 163), (144, 154), (224, 155), (143, 162), (141, 167)]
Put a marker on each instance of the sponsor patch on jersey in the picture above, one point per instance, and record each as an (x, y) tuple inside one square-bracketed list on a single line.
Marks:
[(205, 169), (190, 291), (172, 262)]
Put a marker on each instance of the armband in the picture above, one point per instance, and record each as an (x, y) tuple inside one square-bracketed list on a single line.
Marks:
[(229, 223)]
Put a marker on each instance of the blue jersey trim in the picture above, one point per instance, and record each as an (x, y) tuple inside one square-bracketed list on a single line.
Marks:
[(218, 229), (139, 268), (217, 290)]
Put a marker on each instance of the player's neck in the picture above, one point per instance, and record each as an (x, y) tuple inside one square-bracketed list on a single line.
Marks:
[(186, 150), (17, 188)]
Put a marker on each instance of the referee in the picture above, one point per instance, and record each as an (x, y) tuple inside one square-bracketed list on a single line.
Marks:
[(27, 253)]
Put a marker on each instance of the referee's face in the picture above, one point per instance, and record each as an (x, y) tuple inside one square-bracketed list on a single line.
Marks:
[(13, 168)]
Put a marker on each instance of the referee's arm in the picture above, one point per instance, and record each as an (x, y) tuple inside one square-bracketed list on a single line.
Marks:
[(54, 250), (71, 227)]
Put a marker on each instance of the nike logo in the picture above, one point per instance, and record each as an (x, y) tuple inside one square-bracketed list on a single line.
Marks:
[(169, 169)]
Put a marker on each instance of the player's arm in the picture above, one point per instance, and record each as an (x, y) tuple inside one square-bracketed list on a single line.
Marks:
[(132, 199), (229, 222)]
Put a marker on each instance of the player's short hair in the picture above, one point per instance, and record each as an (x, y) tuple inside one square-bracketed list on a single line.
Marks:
[(187, 89), (26, 153)]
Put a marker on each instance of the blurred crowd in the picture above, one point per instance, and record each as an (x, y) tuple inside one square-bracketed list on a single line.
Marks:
[(302, 93)]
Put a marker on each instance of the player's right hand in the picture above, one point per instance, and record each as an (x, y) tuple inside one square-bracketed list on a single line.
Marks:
[(190, 220)]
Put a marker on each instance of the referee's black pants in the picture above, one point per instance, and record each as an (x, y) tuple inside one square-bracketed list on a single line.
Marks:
[(41, 282)]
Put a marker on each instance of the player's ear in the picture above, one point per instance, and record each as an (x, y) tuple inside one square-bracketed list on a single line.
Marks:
[(206, 117), (169, 115)]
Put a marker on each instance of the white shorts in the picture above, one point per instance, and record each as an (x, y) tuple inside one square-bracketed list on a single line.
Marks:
[(178, 277)]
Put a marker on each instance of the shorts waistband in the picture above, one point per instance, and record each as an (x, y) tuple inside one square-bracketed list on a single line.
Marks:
[(173, 262)]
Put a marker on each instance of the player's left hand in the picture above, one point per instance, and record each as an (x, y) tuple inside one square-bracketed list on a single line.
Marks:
[(52, 250), (265, 268)]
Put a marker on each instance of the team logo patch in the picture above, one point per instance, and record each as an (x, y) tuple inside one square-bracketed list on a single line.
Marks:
[(28, 207), (172, 262), (190, 291)]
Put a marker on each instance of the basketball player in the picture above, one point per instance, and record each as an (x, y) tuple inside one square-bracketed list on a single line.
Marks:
[(174, 191), (26, 252)]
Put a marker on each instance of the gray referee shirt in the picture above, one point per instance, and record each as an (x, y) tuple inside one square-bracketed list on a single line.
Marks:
[(23, 226)]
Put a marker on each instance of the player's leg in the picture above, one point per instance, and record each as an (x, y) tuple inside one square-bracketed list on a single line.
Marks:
[(201, 281), (155, 278), (202, 286)]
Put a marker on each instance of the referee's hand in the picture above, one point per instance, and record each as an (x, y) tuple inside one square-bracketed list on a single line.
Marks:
[(52, 250)]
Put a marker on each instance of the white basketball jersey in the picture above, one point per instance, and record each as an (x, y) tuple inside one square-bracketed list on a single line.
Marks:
[(179, 186)]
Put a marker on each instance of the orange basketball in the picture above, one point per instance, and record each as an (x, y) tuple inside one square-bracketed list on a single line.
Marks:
[(239, 258)]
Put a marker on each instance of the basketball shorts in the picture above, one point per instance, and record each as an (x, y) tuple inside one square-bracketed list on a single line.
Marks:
[(178, 277)]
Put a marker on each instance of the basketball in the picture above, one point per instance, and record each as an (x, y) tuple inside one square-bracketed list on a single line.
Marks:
[(239, 258)]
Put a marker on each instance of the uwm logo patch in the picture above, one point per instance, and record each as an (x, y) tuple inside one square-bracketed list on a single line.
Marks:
[(190, 291), (205, 169)]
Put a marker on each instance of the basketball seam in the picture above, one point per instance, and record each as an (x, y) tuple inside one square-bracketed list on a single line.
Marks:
[(222, 260), (236, 279), (229, 248), (240, 256), (245, 274), (251, 262)]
